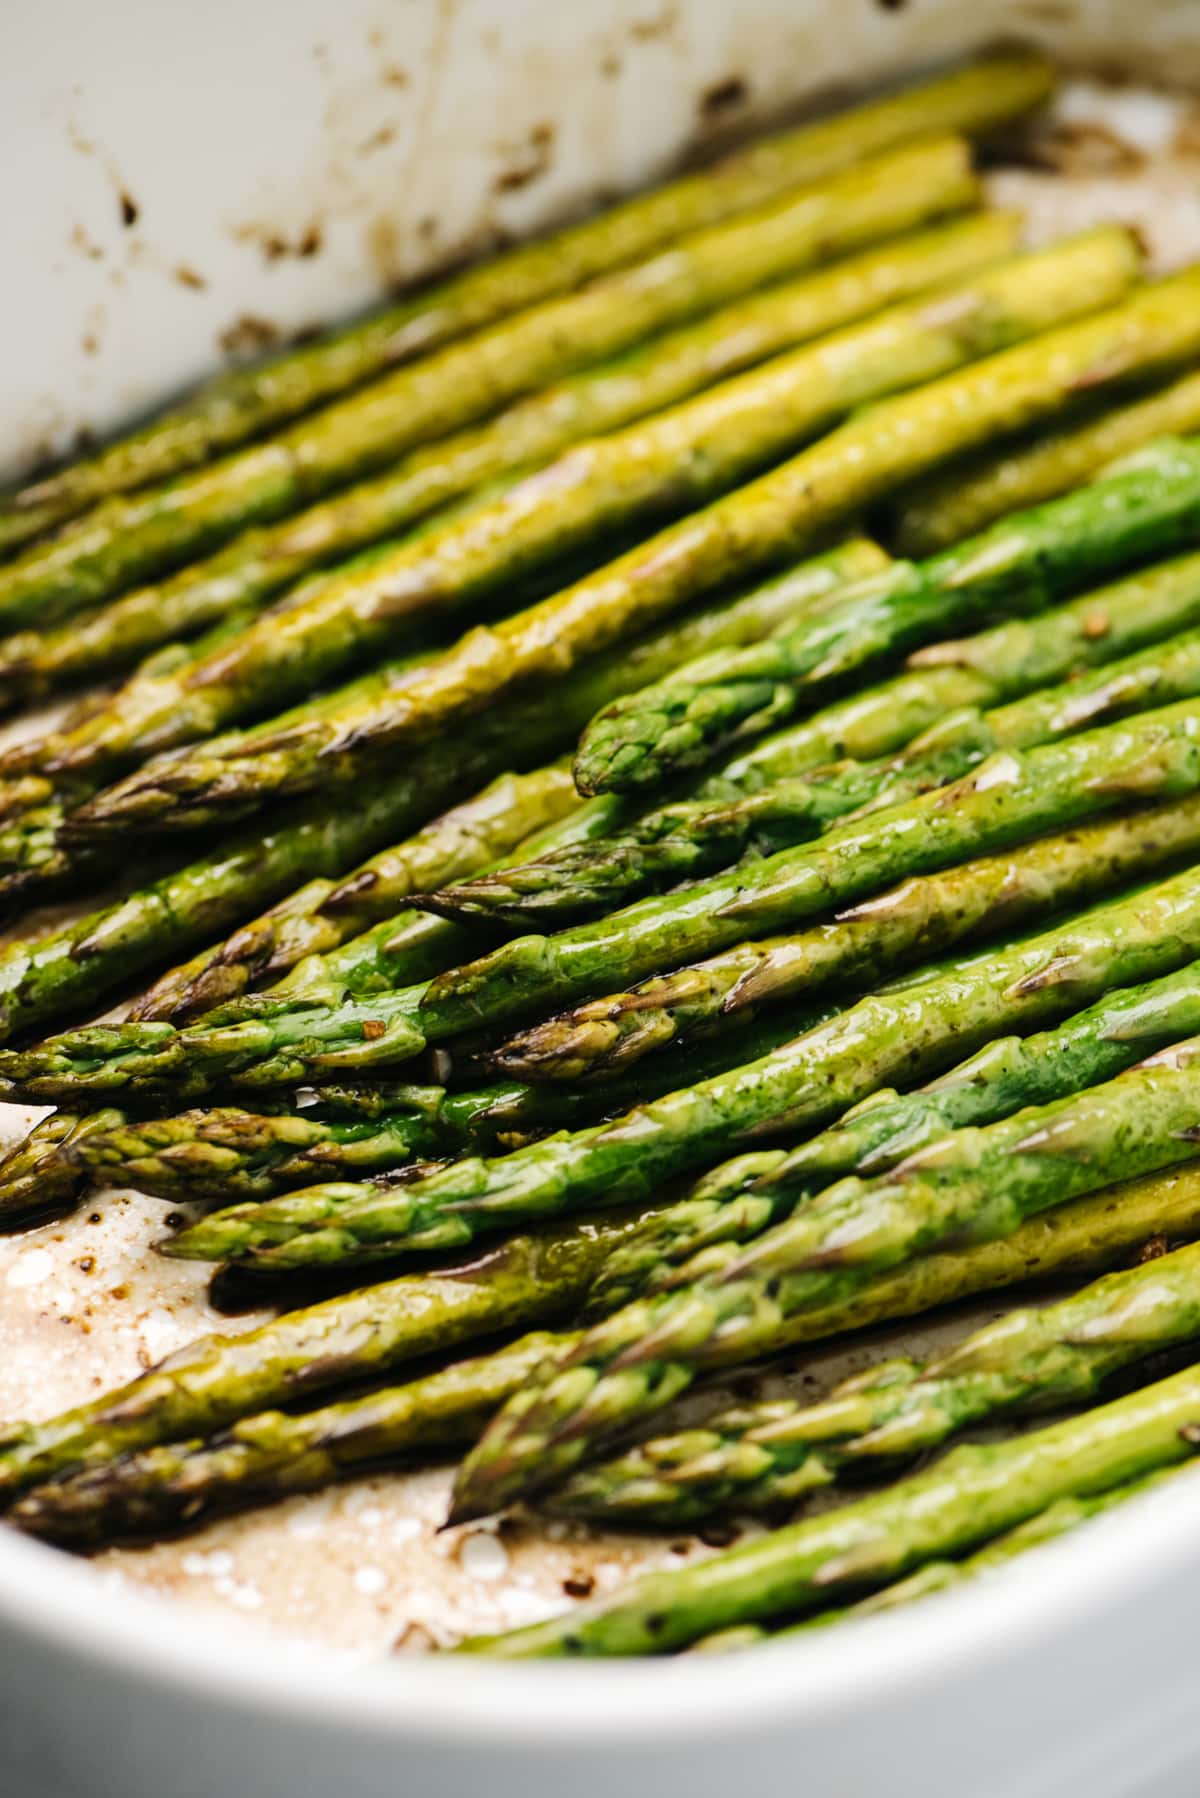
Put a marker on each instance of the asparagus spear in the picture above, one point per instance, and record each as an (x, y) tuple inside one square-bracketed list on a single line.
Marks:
[(744, 1197), (761, 1456), (1004, 802), (304, 933), (984, 669), (245, 404), (625, 1365), (771, 517), (205, 1154), (261, 562), (38, 1176), (510, 810), (1057, 1520), (272, 1453), (128, 538), (806, 1082), (114, 738), (683, 721), (918, 917), (1009, 1072), (972, 1495), (126, 1491), (524, 1282), (696, 836), (86, 961), (232, 1154), (351, 949), (1140, 1118), (272, 1041), (951, 506)]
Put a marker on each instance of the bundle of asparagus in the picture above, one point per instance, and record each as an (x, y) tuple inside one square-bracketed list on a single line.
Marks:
[(871, 974)]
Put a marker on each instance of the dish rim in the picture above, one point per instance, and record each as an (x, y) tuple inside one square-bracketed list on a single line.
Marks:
[(171, 1643)]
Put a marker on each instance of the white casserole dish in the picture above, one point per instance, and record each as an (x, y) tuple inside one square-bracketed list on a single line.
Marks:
[(287, 155)]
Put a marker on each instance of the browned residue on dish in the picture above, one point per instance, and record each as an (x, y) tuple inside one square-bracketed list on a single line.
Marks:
[(248, 335), (723, 97), (533, 160)]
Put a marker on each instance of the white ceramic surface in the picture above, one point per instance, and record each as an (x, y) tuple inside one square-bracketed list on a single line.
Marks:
[(292, 157)]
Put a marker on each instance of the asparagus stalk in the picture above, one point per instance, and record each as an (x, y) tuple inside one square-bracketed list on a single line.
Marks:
[(685, 720), (1011, 798), (917, 918), (33, 854), (105, 740), (1057, 1520), (953, 505), (38, 1176), (509, 811), (762, 1456), (805, 1083), (319, 932), (526, 1281), (308, 946), (126, 1491), (272, 1454), (86, 961), (977, 1183), (259, 563), (1008, 799), (972, 1495), (744, 1197), (1010, 1072), (230, 1154), (771, 517), (696, 836), (985, 669), (1140, 1118), (245, 404), (235, 1156), (130, 538)]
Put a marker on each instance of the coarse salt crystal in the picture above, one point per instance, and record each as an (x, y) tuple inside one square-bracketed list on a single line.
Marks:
[(483, 1556), (31, 1268)]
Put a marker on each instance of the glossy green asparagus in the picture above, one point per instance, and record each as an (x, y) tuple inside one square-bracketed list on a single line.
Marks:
[(38, 1176), (512, 810), (762, 1456), (975, 98), (744, 1197), (1057, 1520), (696, 836), (883, 934), (976, 1183), (71, 969), (807, 1082), (1019, 565), (773, 516), (259, 563), (231, 1154), (318, 935), (126, 1491), (130, 538), (1009, 799), (973, 1494), (272, 1454), (524, 1282), (952, 506), (77, 761)]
